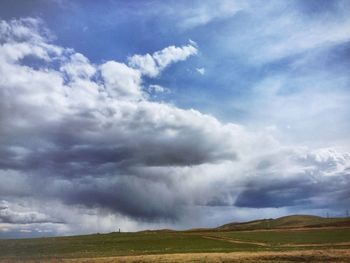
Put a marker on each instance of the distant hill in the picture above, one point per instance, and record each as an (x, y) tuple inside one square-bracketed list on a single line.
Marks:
[(292, 221)]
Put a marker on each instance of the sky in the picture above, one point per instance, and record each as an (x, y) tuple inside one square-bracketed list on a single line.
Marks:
[(138, 115)]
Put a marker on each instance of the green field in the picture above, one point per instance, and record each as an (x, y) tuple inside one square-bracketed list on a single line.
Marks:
[(115, 244), (296, 237), (274, 239), (292, 221), (142, 243)]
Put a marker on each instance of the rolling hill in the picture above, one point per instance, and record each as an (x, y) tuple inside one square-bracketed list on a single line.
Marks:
[(292, 221), (310, 238)]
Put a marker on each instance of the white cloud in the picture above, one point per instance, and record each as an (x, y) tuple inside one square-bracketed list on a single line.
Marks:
[(193, 43), (100, 147), (145, 64), (206, 12), (154, 88), (201, 70), (153, 65), (78, 66), (300, 36), (173, 54), (328, 161), (298, 104), (277, 30), (10, 216), (120, 80)]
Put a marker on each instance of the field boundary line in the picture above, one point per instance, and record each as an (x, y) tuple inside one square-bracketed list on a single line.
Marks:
[(316, 245), (227, 239)]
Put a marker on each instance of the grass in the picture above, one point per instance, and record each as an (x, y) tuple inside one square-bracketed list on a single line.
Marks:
[(115, 244), (292, 221), (190, 242), (281, 237)]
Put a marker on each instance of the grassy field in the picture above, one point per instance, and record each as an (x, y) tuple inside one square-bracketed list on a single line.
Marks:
[(115, 244), (328, 244), (292, 221), (295, 237)]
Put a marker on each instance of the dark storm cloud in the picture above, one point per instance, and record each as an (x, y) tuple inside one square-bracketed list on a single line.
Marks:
[(87, 138), (84, 158), (71, 138), (135, 197), (303, 191), (277, 194)]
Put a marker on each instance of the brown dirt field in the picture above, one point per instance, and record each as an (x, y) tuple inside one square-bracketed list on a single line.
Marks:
[(228, 239), (311, 256), (241, 257)]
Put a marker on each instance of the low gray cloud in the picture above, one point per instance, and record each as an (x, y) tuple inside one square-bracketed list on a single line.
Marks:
[(8, 215)]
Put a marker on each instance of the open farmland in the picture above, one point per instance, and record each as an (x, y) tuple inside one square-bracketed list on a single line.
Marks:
[(303, 237), (292, 244)]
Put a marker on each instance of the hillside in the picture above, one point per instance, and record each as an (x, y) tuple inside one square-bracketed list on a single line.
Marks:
[(136, 246), (298, 233), (292, 221)]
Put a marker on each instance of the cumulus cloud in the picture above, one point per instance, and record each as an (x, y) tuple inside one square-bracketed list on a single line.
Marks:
[(78, 67), (154, 88), (152, 65), (120, 80), (317, 178), (94, 132), (86, 139)]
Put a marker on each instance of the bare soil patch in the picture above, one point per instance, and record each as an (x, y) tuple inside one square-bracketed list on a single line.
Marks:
[(228, 239), (312, 256)]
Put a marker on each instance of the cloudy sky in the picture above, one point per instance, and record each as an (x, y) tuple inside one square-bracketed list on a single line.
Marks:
[(171, 114)]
